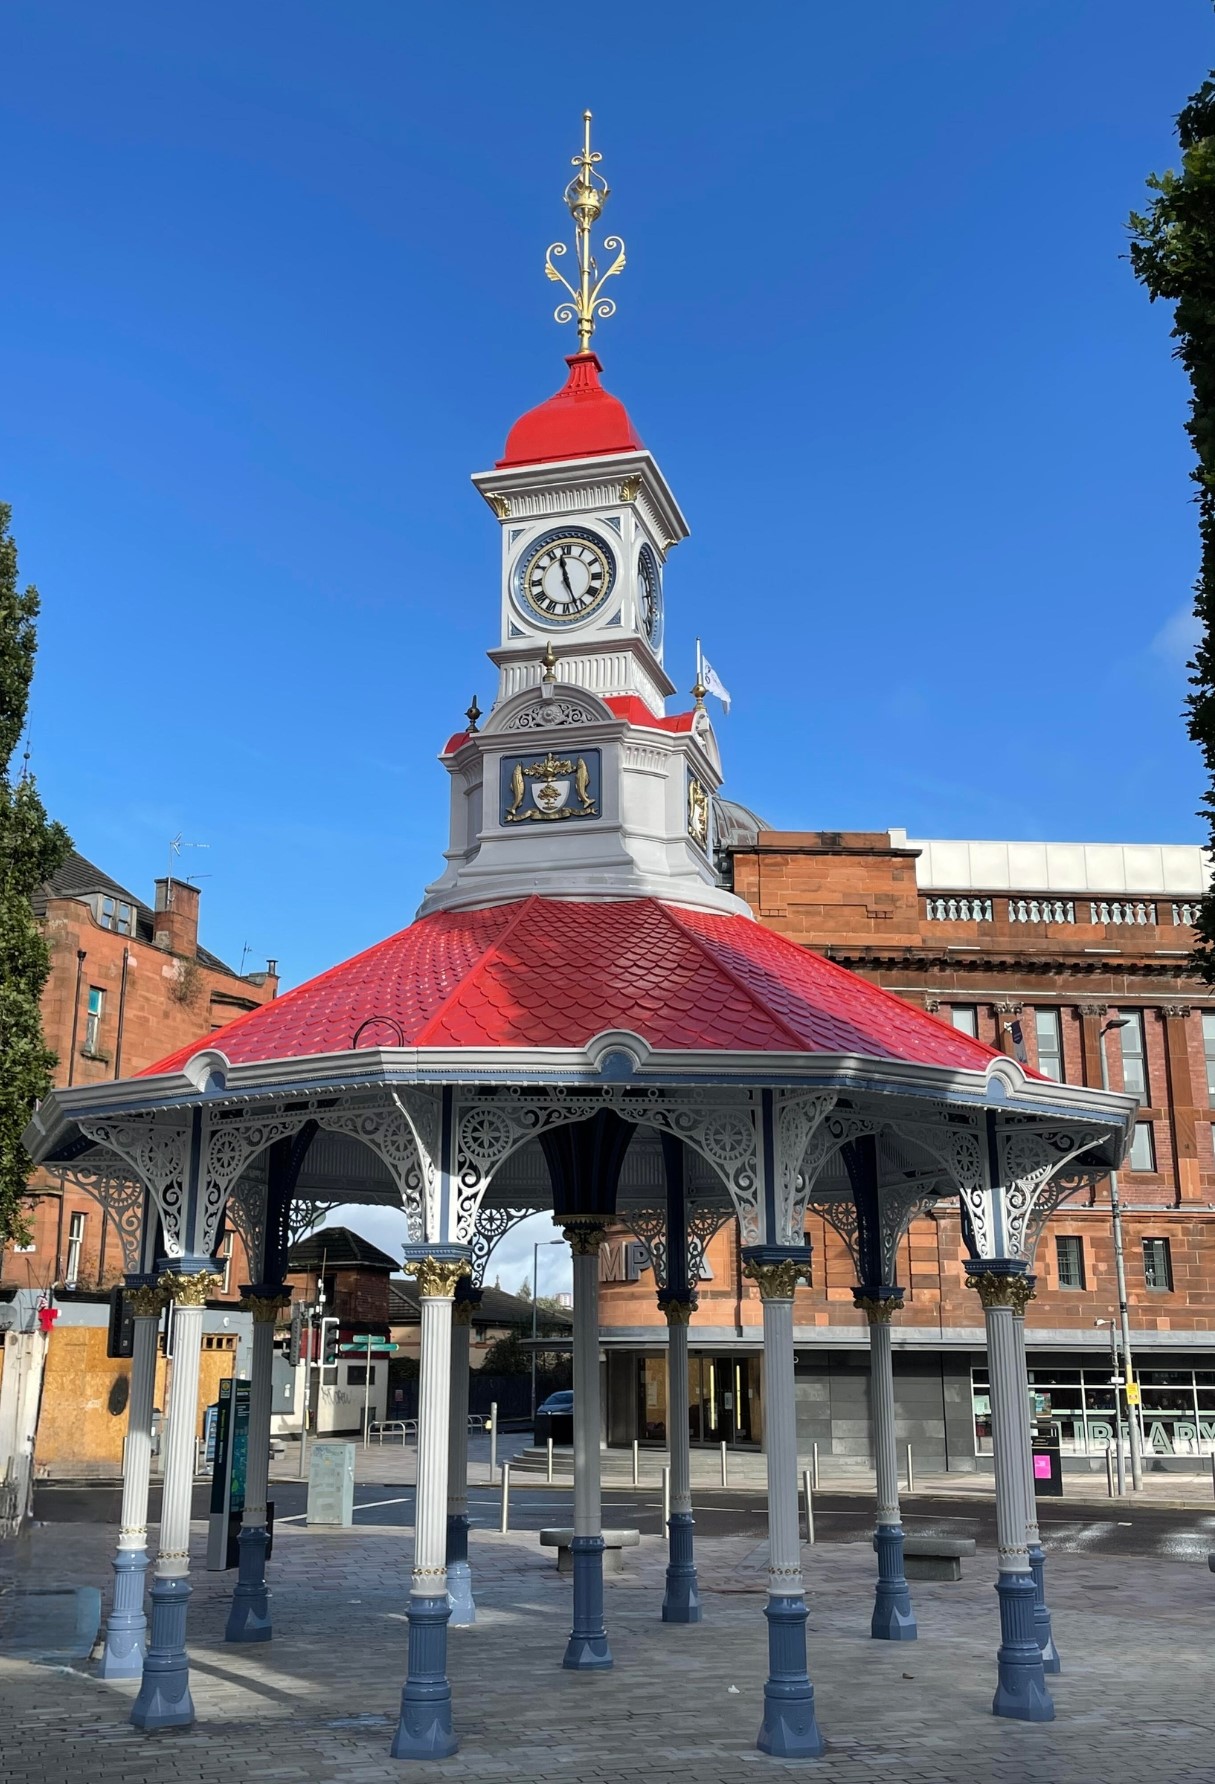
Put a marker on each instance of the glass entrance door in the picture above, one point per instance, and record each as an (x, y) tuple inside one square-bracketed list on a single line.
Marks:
[(726, 1399)]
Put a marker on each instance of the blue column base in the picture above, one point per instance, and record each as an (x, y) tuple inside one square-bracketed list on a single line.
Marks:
[(1021, 1689), (424, 1730), (126, 1627), (1042, 1627), (893, 1618), (587, 1649), (681, 1601), (459, 1574), (789, 1729), (164, 1699), (249, 1617)]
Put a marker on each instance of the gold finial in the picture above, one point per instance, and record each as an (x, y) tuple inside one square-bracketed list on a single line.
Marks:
[(472, 714), (549, 663), (586, 195), (699, 690)]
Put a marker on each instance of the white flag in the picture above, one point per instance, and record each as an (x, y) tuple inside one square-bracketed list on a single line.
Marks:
[(713, 684)]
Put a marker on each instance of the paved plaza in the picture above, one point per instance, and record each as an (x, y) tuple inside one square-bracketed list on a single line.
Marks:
[(320, 1702)]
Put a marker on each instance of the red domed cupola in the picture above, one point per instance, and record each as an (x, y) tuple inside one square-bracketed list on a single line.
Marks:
[(582, 421)]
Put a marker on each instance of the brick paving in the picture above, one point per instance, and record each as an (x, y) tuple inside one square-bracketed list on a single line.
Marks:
[(319, 1703)]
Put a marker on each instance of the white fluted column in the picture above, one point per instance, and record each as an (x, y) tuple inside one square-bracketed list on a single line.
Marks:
[(127, 1626), (588, 1643), (459, 1574), (425, 1727), (893, 1618), (1021, 1691), (1033, 1536), (789, 1728), (249, 1617), (164, 1699)]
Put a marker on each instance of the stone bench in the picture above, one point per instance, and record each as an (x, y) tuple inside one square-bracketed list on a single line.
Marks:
[(936, 1557), (614, 1541)]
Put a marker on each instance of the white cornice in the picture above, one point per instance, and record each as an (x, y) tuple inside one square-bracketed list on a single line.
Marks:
[(603, 475)]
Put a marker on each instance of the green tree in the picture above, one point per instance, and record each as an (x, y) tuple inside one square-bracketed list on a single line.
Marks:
[(1173, 256), (31, 848)]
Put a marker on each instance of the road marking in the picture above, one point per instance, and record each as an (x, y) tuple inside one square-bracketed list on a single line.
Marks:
[(301, 1517)]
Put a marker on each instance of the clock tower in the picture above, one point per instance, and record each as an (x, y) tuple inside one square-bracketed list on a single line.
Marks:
[(581, 784)]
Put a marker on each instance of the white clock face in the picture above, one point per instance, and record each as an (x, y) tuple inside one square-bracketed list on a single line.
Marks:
[(565, 576), (649, 596)]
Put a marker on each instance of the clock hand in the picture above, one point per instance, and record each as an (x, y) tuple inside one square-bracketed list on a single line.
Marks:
[(565, 576)]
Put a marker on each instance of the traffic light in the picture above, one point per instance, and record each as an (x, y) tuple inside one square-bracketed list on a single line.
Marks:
[(329, 1342), (295, 1344), (121, 1339)]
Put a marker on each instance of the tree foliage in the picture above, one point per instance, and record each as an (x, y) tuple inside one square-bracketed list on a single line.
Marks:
[(31, 848), (1173, 256)]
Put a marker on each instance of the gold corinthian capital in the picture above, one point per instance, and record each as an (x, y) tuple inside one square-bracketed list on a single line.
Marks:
[(584, 1237), (777, 1281), (879, 1310), (437, 1277), (264, 1308), (995, 1290), (190, 1291), (147, 1302)]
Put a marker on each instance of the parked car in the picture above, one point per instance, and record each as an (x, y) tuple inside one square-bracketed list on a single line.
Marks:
[(555, 1418)]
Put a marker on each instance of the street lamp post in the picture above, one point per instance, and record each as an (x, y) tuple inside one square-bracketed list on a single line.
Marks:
[(1128, 1367), (535, 1296)]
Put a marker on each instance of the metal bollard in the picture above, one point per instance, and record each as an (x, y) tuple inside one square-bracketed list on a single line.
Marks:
[(725, 1466), (910, 1472), (1213, 1468), (636, 1462), (1109, 1468), (809, 1505), (814, 1465), (550, 1461), (1118, 1458), (504, 1523), (666, 1495), (493, 1438)]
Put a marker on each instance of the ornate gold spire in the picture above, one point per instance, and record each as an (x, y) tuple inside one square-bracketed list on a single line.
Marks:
[(586, 195)]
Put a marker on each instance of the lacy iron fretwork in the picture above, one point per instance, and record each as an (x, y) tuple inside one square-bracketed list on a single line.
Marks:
[(112, 1184), (898, 1206), (385, 1129), (649, 1225), (1051, 1196), (705, 1220), (155, 1148), (231, 1141), (246, 1209), (492, 1226), (1029, 1159), (960, 1146), (801, 1123), (489, 1129), (721, 1126), (841, 1216)]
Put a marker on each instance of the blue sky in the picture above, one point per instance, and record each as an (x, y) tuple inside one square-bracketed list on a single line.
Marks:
[(274, 289)]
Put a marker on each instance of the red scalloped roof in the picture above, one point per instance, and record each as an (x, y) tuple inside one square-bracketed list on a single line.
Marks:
[(581, 421), (633, 708), (547, 972)]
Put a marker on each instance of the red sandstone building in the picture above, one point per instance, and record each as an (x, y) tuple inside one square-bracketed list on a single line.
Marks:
[(1035, 948), (128, 984)]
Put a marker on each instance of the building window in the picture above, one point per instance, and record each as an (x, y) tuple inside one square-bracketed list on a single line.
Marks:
[(225, 1257), (1142, 1156), (92, 1021), (1048, 1025), (1208, 1047), (71, 1275), (1134, 1060), (965, 1017), (356, 1375), (116, 914), (1069, 1256), (1157, 1264)]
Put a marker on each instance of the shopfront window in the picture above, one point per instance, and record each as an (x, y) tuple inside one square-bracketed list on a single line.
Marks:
[(1177, 1415)]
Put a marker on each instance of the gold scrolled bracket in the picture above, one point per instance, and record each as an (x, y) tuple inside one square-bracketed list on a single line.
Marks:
[(679, 1313), (190, 1291), (878, 1310), (584, 1234), (778, 1281), (500, 505), (997, 1290), (147, 1302), (437, 1277), (264, 1308), (630, 489)]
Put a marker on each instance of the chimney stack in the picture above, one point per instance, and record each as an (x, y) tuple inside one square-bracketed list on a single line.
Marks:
[(175, 923)]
